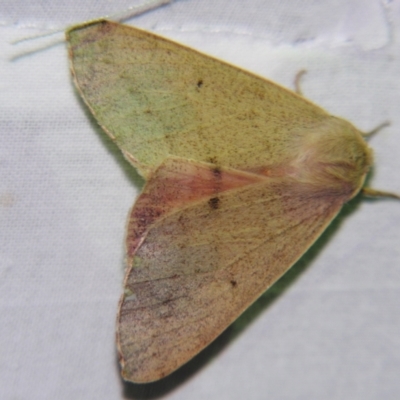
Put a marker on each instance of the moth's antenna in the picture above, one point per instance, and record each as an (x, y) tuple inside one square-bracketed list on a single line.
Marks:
[(367, 135)]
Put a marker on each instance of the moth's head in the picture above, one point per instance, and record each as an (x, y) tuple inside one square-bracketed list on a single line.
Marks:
[(334, 156)]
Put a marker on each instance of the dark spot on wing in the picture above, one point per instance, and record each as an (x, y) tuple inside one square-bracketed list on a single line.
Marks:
[(214, 203), (105, 27), (217, 172)]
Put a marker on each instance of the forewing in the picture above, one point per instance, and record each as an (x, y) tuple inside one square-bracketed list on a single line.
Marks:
[(157, 99), (200, 264)]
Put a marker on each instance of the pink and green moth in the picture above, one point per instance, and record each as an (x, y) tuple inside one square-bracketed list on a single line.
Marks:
[(242, 176)]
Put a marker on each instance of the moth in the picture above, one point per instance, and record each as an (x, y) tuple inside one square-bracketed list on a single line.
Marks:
[(242, 176)]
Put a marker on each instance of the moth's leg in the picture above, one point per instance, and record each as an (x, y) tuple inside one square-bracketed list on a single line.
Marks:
[(378, 193), (129, 12), (297, 79), (138, 9)]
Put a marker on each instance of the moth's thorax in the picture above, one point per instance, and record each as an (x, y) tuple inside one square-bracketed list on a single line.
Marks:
[(332, 155)]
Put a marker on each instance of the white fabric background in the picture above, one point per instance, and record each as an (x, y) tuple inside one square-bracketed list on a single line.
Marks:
[(329, 329)]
